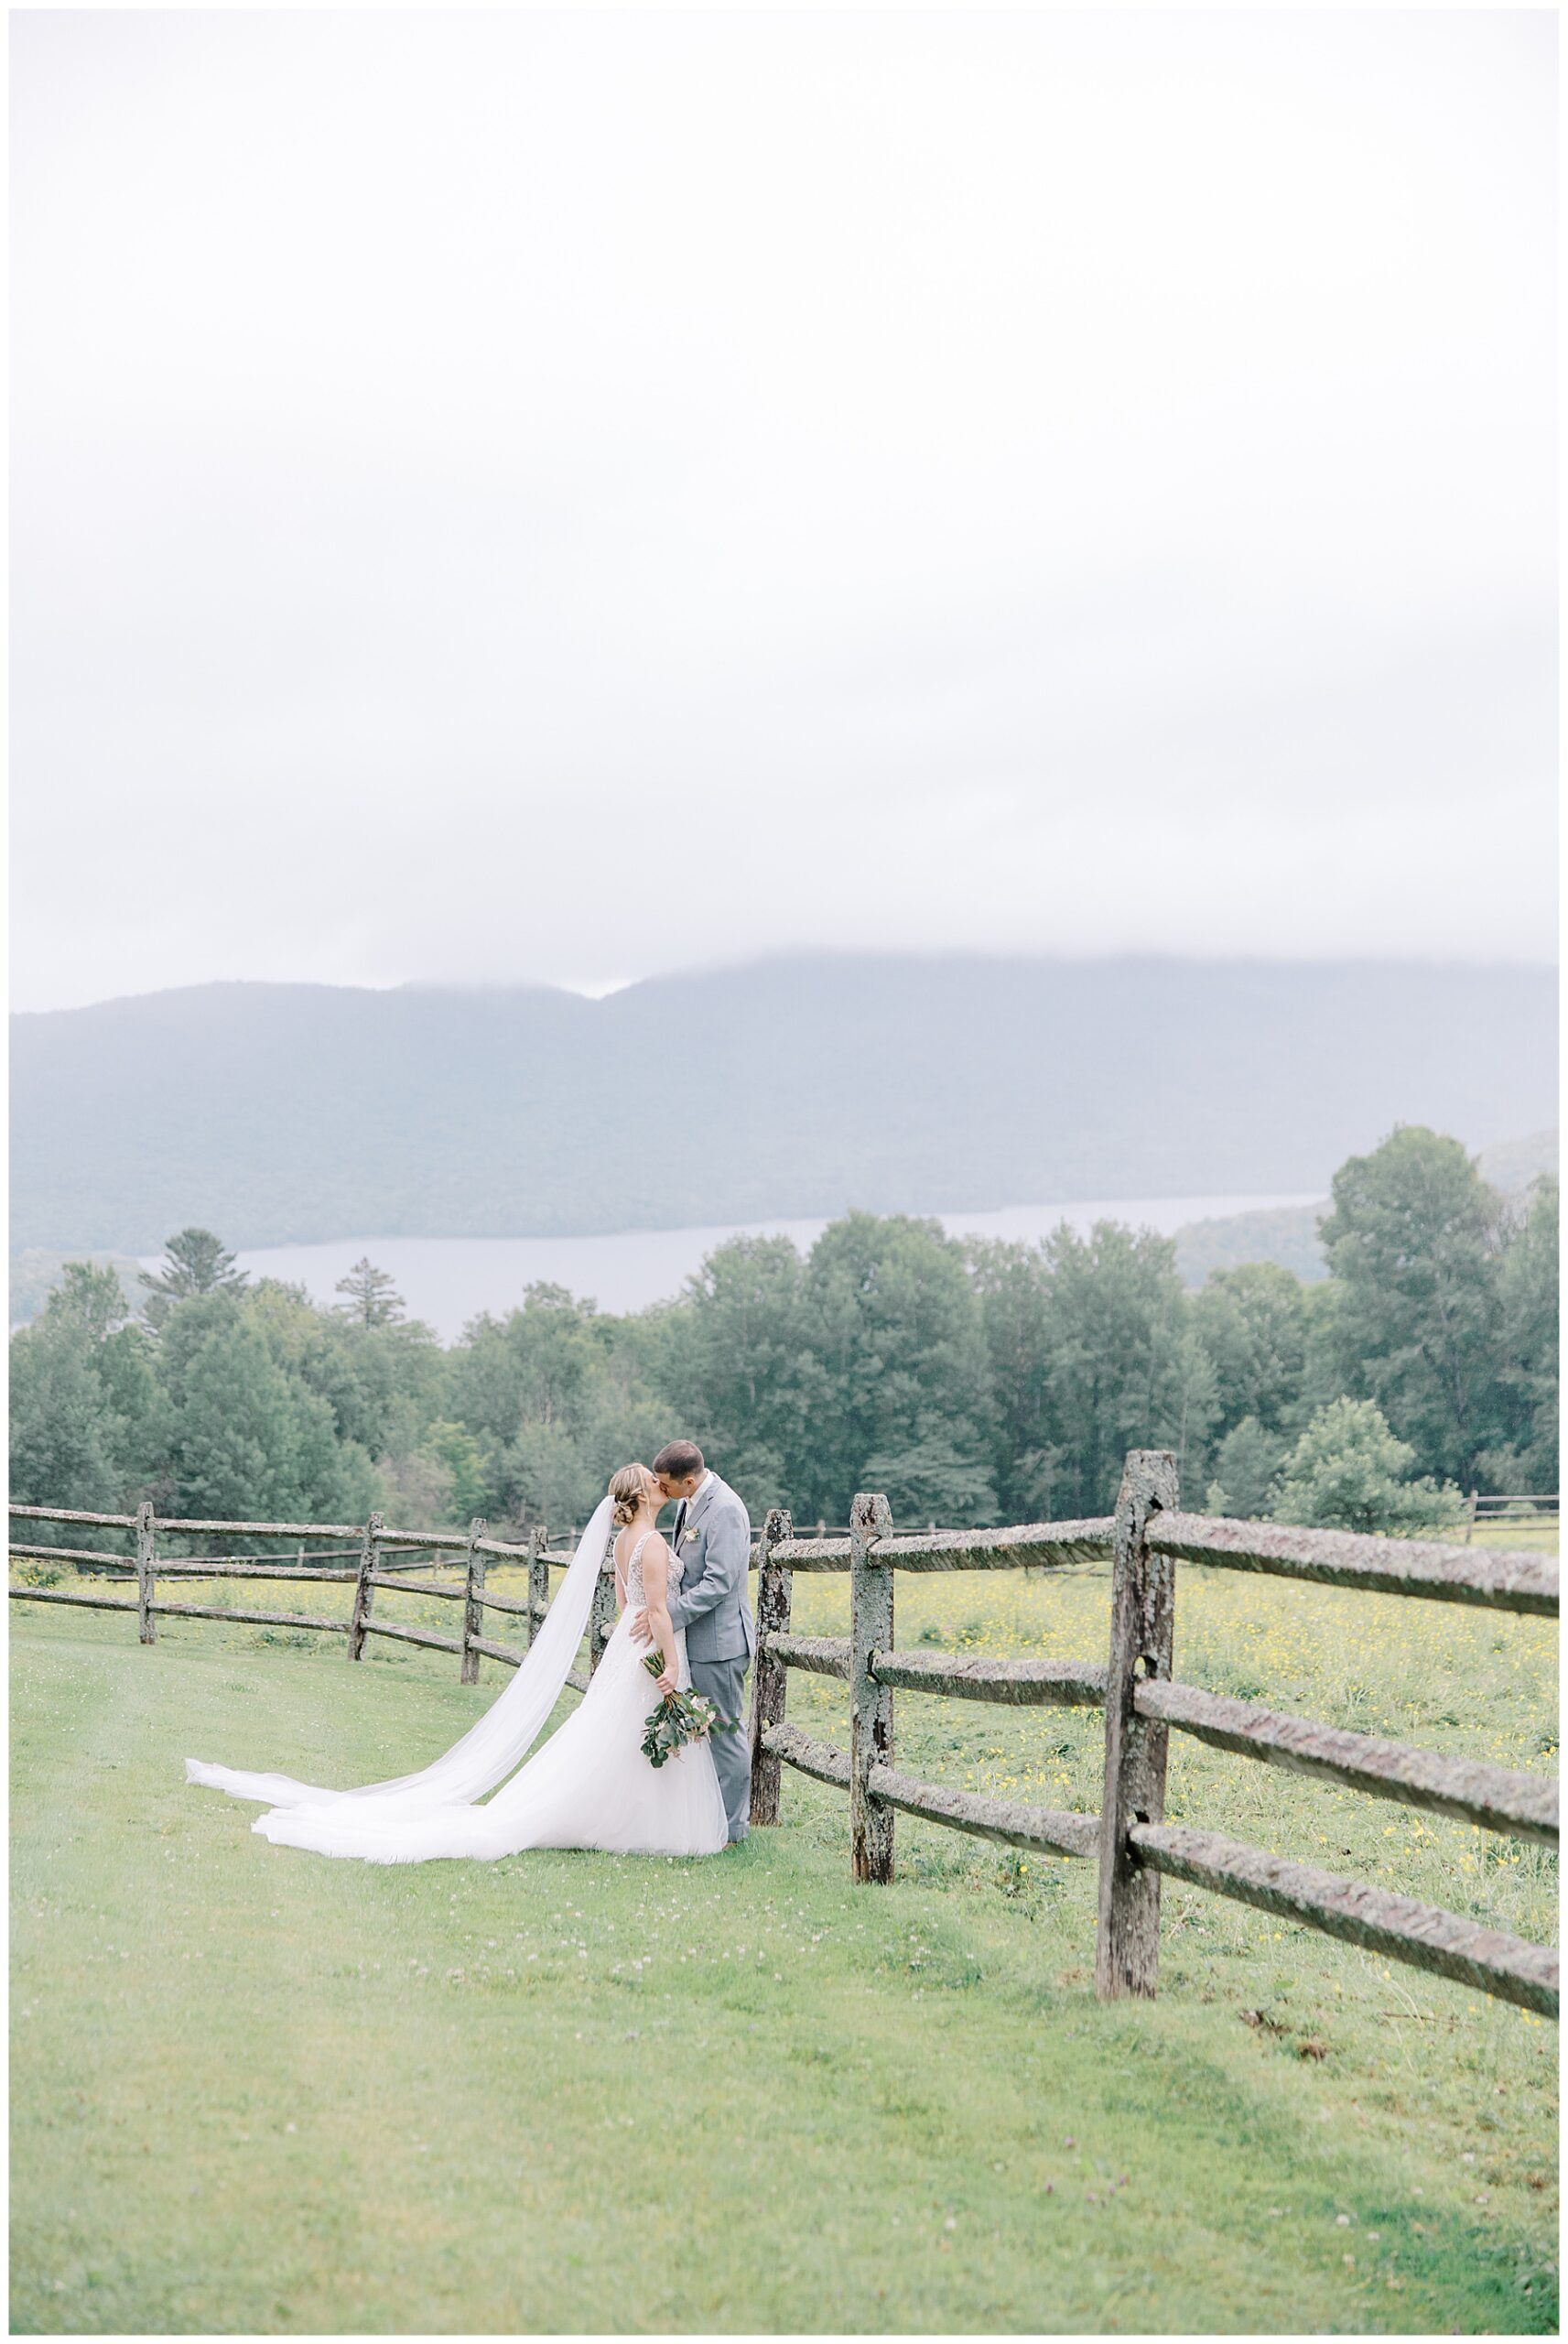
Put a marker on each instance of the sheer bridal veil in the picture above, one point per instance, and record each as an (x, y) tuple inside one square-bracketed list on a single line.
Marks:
[(432, 1813)]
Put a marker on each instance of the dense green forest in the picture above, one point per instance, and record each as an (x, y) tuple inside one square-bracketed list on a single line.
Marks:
[(973, 1382)]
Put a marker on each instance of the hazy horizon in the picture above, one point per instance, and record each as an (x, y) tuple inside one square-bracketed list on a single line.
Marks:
[(604, 991)]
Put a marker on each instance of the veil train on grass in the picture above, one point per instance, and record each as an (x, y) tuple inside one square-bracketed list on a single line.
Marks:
[(408, 1817)]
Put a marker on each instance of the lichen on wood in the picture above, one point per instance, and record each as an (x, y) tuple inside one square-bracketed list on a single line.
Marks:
[(493, 1651), (538, 1584), (514, 1603), (1016, 1825), (1505, 1581), (820, 1655), (335, 1533), (1420, 1934), (146, 1559), (1127, 1945), (1057, 1684), (438, 1542), (770, 1679), (326, 1574), (106, 1521), (414, 1635), (601, 1615), (364, 1590), (402, 1585), (473, 1601), (1043, 1545), (253, 1618), (1498, 1797), (871, 1704), (68, 1595), (74, 1555), (824, 1760)]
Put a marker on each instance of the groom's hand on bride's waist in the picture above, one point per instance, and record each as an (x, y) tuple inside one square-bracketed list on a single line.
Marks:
[(640, 1631)]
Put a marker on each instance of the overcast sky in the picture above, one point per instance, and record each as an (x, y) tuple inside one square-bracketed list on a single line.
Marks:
[(563, 496)]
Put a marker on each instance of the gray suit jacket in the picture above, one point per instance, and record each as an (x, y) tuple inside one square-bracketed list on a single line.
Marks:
[(715, 1547)]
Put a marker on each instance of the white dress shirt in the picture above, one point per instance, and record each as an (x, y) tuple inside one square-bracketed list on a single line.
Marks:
[(683, 1511)]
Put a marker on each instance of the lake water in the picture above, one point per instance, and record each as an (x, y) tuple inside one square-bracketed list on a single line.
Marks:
[(449, 1280)]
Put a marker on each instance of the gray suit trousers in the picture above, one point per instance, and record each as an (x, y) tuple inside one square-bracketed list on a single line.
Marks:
[(723, 1682)]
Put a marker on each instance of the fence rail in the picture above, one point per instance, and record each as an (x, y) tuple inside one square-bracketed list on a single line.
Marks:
[(372, 1544), (1128, 1839), (1502, 1509)]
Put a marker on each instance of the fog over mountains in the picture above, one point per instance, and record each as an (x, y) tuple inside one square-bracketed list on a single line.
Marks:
[(793, 1086)]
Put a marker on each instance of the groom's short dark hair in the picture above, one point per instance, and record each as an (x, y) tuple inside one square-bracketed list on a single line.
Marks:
[(678, 1460)]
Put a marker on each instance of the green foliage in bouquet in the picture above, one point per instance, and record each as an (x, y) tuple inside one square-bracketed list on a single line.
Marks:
[(680, 1717)]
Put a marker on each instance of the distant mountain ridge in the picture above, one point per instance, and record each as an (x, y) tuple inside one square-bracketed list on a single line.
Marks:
[(790, 1088)]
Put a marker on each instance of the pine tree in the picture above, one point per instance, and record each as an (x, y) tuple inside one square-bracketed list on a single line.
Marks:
[(1348, 1471), (374, 1300), (194, 1261)]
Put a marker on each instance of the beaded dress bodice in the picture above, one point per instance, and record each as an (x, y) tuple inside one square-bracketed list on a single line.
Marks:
[(636, 1594)]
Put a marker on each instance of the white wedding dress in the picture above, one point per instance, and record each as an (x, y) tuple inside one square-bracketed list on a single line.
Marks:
[(589, 1786)]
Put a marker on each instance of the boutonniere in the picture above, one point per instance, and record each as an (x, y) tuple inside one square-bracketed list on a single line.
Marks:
[(687, 1536)]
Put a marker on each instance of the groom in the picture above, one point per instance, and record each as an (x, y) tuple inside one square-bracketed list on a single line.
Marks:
[(712, 1539)]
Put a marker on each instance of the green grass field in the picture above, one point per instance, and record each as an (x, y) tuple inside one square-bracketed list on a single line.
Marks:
[(256, 2091)]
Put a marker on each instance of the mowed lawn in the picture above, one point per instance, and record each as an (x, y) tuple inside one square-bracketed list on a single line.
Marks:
[(253, 2090)]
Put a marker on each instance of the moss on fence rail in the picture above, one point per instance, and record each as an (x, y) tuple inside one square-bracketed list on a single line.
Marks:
[(1467, 1681)]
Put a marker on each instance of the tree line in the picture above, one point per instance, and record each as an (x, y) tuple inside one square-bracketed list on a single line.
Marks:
[(974, 1382)]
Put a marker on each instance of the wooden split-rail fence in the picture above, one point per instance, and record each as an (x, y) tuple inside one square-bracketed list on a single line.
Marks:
[(1130, 1839), (372, 1546), (1518, 1511)]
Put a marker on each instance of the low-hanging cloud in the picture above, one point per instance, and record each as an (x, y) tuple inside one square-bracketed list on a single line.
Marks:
[(567, 495)]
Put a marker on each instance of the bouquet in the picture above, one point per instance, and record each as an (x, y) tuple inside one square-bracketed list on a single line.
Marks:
[(680, 1717)]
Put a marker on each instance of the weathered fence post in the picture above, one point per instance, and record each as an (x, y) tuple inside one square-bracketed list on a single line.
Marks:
[(770, 1677), (363, 1591), (871, 1704), (1142, 1618), (601, 1619), (538, 1582), (1470, 1515), (146, 1622), (473, 1605)]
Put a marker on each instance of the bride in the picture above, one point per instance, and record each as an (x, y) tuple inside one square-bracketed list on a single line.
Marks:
[(589, 1786)]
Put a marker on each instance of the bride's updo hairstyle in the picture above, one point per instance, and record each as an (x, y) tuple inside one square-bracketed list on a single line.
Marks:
[(629, 1488)]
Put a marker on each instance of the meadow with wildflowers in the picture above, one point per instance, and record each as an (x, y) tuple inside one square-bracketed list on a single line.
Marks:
[(254, 2091)]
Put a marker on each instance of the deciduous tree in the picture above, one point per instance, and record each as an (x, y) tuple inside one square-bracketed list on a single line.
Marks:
[(1413, 1242)]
